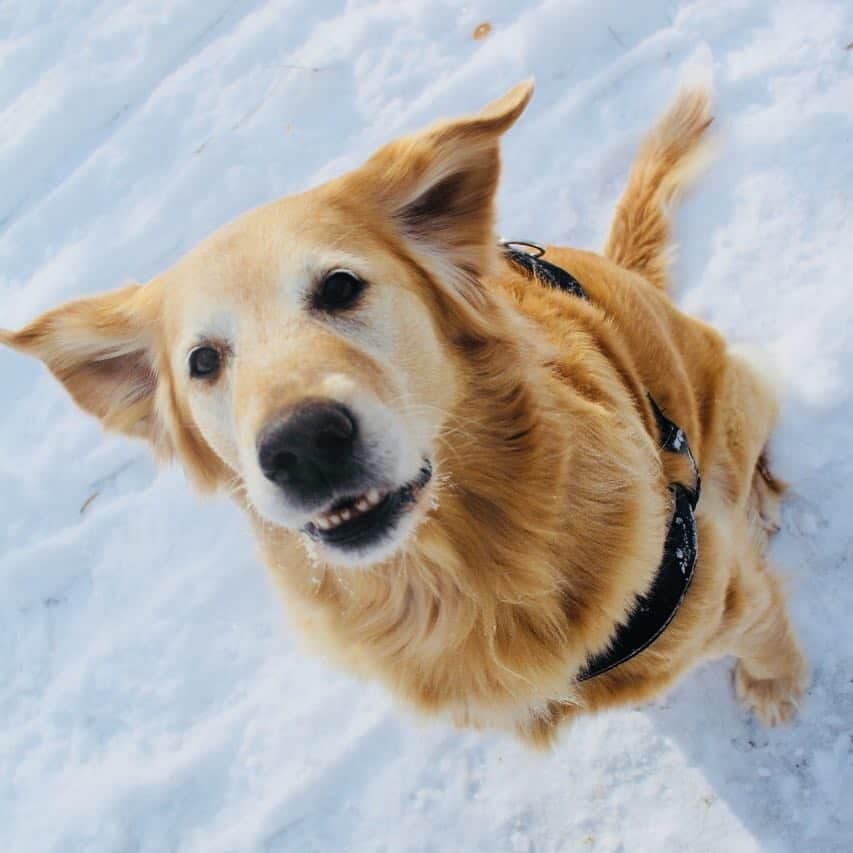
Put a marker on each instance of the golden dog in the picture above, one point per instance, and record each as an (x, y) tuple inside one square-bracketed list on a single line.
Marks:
[(453, 472)]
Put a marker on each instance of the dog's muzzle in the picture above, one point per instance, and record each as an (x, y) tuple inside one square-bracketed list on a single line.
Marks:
[(316, 455), (309, 452)]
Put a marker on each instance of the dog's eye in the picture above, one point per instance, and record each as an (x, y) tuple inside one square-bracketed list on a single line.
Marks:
[(205, 362), (339, 289)]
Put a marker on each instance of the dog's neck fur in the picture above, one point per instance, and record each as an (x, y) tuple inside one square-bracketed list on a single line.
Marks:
[(520, 437)]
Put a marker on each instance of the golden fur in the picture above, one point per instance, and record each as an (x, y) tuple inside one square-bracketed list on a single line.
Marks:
[(548, 511)]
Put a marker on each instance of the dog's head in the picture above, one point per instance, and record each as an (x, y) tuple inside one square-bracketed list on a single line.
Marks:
[(301, 354)]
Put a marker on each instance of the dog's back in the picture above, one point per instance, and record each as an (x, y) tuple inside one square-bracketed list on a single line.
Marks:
[(727, 407)]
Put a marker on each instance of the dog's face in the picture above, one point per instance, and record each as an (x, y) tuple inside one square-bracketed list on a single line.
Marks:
[(303, 354), (311, 364)]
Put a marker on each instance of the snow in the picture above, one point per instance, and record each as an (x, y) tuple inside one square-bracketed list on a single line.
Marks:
[(152, 696)]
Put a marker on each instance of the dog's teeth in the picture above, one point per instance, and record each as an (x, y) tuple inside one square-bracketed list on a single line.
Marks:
[(373, 497), (362, 505), (346, 515), (323, 523), (334, 520)]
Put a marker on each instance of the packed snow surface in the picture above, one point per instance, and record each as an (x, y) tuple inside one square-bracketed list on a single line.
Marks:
[(152, 696)]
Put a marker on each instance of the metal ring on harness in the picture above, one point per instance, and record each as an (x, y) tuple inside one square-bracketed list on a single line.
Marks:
[(539, 250)]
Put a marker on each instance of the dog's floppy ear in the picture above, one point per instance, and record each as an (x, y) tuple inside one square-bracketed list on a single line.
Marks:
[(439, 185), (101, 349)]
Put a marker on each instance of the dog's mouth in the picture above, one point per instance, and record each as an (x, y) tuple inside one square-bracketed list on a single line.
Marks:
[(356, 523)]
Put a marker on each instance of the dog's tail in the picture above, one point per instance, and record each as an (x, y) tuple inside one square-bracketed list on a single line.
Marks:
[(673, 154)]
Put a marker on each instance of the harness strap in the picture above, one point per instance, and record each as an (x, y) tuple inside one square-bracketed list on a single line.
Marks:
[(656, 608)]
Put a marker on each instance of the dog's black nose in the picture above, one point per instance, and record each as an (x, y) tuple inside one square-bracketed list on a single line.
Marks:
[(309, 448)]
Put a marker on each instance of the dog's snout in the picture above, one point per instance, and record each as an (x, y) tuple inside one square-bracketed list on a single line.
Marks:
[(307, 449)]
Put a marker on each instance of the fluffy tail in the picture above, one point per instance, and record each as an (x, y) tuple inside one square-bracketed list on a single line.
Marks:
[(670, 157)]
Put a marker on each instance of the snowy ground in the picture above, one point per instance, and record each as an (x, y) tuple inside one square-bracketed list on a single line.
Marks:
[(151, 695)]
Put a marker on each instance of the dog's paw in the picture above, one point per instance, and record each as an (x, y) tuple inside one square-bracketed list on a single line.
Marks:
[(766, 498), (770, 517), (775, 701)]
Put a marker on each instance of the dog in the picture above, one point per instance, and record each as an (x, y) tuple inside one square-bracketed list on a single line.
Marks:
[(456, 472)]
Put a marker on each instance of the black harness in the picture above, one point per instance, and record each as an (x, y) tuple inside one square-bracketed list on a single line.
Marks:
[(655, 609)]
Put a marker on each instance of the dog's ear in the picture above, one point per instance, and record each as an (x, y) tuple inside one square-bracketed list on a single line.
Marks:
[(101, 349), (439, 185)]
